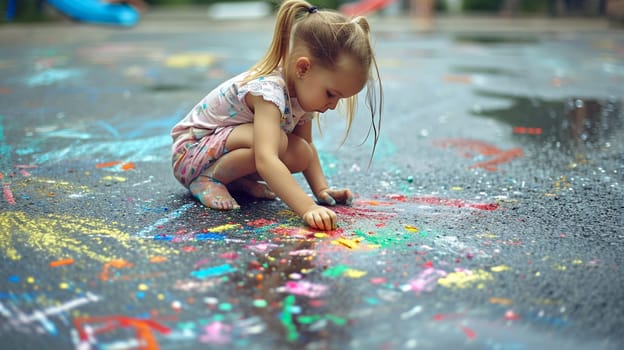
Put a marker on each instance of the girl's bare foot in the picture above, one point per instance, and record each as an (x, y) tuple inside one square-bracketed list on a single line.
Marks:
[(212, 193), (253, 188)]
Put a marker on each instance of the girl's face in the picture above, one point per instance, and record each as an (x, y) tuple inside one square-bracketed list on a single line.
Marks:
[(318, 89)]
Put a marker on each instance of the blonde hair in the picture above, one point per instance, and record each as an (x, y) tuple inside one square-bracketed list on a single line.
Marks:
[(327, 35)]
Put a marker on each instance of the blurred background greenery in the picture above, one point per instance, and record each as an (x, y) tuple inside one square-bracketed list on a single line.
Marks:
[(37, 10)]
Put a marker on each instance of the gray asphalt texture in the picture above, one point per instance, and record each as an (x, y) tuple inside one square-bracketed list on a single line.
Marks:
[(490, 218)]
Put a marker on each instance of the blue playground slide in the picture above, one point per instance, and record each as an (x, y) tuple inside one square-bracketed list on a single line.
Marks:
[(97, 11), (91, 11)]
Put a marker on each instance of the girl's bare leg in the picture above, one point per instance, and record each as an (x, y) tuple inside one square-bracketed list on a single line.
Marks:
[(236, 170), (252, 187), (212, 193), (210, 187)]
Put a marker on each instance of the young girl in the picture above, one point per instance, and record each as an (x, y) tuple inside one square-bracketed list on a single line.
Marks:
[(257, 125)]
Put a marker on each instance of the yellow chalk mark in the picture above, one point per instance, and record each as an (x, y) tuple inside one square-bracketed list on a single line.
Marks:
[(352, 273), (501, 301), (113, 178), (225, 227), (349, 243), (410, 228), (66, 235), (190, 60), (466, 279), (500, 268), (50, 186), (577, 262), (487, 235)]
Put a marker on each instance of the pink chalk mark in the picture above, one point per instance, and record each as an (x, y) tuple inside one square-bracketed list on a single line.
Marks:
[(378, 280), (261, 223), (362, 213), (304, 288), (201, 263), (216, 333), (425, 282), (262, 247), (445, 202), (229, 255), (7, 193), (469, 332)]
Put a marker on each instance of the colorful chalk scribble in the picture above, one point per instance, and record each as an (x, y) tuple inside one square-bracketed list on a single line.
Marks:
[(102, 249)]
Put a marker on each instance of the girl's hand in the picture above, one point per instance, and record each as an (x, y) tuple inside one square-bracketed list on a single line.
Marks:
[(332, 197), (321, 218)]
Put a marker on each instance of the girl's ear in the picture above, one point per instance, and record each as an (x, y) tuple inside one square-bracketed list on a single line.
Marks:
[(302, 66)]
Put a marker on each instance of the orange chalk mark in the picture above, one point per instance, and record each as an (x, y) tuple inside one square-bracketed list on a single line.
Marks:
[(62, 262), (106, 164), (158, 259), (118, 264), (502, 158), (143, 328), (471, 146), (525, 130), (128, 166)]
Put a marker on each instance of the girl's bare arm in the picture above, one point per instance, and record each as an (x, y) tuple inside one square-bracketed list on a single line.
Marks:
[(267, 138), (314, 174)]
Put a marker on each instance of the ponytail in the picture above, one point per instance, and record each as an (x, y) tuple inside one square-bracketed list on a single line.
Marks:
[(287, 16), (326, 35)]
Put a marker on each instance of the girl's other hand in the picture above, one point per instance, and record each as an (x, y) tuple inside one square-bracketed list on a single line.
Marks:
[(333, 197), (321, 218)]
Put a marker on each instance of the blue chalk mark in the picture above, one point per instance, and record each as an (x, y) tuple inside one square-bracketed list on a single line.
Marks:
[(163, 237), (106, 126), (198, 237), (5, 149), (150, 126), (209, 237), (144, 233), (50, 77), (140, 150), (14, 279), (213, 271)]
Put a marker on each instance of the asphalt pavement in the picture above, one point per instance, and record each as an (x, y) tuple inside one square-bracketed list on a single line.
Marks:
[(489, 218)]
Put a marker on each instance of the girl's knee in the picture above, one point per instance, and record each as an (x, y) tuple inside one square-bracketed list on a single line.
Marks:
[(298, 154)]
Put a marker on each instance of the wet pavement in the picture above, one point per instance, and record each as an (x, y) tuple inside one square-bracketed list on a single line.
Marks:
[(490, 218)]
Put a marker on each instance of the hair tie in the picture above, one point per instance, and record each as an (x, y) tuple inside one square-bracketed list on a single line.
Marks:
[(313, 9)]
